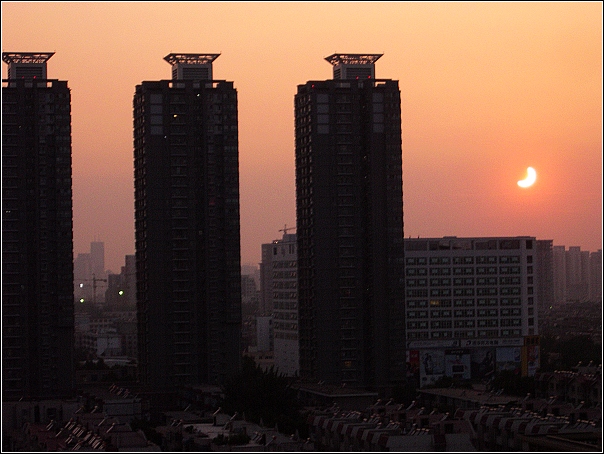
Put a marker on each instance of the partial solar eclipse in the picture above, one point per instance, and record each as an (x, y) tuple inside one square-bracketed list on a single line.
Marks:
[(531, 176)]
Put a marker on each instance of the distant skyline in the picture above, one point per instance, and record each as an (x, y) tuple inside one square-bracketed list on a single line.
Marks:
[(488, 89)]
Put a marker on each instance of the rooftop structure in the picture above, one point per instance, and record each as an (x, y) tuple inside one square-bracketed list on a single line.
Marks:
[(191, 59), (353, 66), (26, 57), (26, 65), (191, 66), (353, 59)]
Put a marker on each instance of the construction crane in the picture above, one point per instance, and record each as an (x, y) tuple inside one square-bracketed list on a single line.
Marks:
[(94, 281), (285, 229)]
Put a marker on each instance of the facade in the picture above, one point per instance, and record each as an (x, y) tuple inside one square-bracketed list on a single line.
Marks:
[(350, 226), (279, 289), (37, 232), (471, 306), (187, 226)]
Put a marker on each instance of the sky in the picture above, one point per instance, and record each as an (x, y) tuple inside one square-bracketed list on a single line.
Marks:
[(487, 90)]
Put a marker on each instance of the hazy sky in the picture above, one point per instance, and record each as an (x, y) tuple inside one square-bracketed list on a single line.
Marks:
[(487, 90)]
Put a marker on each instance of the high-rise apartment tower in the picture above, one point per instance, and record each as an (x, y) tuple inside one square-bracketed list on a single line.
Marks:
[(350, 226), (187, 225), (37, 232)]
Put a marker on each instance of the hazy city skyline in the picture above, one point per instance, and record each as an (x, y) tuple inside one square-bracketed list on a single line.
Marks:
[(487, 89)]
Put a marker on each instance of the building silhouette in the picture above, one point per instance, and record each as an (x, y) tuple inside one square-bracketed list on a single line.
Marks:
[(37, 232), (350, 226), (187, 226)]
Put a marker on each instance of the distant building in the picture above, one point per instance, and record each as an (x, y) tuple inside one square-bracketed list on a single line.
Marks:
[(37, 232), (186, 162), (121, 288), (349, 212), (545, 275), (471, 306), (595, 276), (279, 289), (249, 292), (90, 276), (264, 333), (577, 275), (559, 253), (574, 276), (97, 258)]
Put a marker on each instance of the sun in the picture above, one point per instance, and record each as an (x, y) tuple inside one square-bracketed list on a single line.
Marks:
[(531, 177)]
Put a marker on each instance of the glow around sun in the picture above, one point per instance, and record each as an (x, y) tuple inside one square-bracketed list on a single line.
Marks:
[(531, 177)]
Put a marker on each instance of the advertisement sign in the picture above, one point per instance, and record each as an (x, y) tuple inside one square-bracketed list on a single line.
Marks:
[(532, 359), (509, 358), (483, 363), (431, 367), (458, 363), (413, 363)]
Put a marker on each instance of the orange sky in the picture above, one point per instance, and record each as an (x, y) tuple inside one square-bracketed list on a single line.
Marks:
[(487, 90)]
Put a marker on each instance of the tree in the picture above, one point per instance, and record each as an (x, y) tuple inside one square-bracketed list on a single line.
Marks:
[(564, 354), (513, 384), (265, 395)]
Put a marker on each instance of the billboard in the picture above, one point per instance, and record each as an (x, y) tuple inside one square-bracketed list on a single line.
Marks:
[(413, 364), (458, 363), (483, 363), (509, 358), (431, 366)]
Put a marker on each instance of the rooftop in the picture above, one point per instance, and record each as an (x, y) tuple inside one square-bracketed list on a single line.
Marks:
[(190, 59), (353, 59), (26, 57)]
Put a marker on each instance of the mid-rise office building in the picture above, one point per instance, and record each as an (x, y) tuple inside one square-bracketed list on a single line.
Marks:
[(350, 226), (279, 288), (37, 231), (471, 306), (187, 226)]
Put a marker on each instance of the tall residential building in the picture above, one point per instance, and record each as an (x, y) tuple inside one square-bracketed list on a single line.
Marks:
[(471, 306), (559, 254), (574, 268), (545, 275), (187, 226), (97, 258), (577, 275), (37, 232), (350, 226), (595, 276), (279, 288)]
